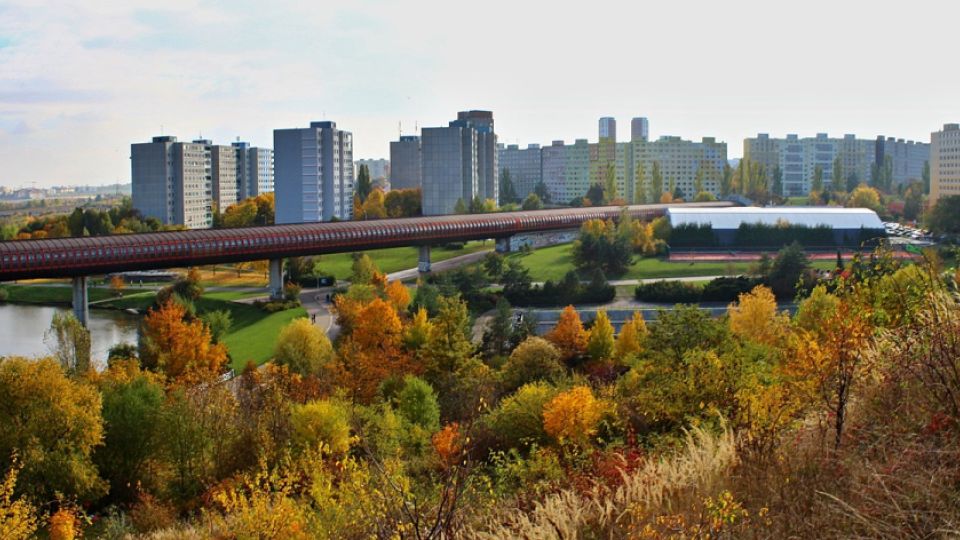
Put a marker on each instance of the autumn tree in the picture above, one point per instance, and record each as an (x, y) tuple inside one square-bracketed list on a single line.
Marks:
[(398, 295), (373, 206), (572, 416), (70, 341), (518, 418), (373, 350), (533, 360), (117, 284), (323, 422), (568, 335), (632, 335), (448, 345), (363, 269), (303, 347), (53, 423), (181, 349), (18, 516), (754, 317), (864, 197), (417, 403), (600, 340)]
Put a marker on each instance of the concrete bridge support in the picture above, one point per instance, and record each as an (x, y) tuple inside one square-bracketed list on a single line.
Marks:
[(81, 300), (423, 263), (276, 279), (503, 245)]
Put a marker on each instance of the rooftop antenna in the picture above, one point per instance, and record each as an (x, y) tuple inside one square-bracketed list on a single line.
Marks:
[(416, 127), (400, 129)]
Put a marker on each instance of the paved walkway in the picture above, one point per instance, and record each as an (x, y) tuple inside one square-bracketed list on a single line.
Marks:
[(441, 266)]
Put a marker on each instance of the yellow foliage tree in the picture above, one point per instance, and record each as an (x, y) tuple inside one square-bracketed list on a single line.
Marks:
[(323, 422), (631, 337), (373, 207), (754, 317), (398, 295), (181, 349), (600, 341), (18, 518), (62, 525), (303, 347), (572, 416), (864, 197), (568, 335)]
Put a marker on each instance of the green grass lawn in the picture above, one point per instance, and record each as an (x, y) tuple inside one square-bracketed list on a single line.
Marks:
[(50, 294), (233, 296), (552, 263), (394, 259)]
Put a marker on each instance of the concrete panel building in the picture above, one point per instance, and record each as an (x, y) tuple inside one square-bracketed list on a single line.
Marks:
[(405, 163), (524, 166), (639, 129), (679, 162), (223, 168), (172, 181), (566, 170), (608, 128), (459, 162), (254, 170), (906, 158), (313, 173), (945, 162)]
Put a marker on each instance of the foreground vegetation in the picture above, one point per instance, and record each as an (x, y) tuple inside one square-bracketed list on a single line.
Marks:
[(838, 422)]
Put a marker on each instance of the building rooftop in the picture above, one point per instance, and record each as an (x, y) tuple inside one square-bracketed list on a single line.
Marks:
[(731, 218)]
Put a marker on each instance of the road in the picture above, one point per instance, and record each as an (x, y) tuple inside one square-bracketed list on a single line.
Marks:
[(441, 266)]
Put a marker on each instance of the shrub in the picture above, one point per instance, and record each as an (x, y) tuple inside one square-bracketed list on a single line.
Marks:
[(323, 422), (4, 294), (518, 420), (303, 347), (728, 289), (679, 292), (535, 359), (572, 416), (417, 403)]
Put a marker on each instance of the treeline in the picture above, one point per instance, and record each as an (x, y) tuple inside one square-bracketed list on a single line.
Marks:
[(121, 219)]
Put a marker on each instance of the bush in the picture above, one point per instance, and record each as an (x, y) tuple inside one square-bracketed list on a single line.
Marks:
[(417, 403), (567, 291), (325, 422), (518, 420), (534, 359), (4, 294), (728, 289), (673, 292)]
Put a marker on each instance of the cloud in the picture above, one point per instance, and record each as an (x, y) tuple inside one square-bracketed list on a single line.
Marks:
[(39, 91)]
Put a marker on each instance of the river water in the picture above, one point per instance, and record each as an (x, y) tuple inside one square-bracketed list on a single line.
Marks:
[(22, 329)]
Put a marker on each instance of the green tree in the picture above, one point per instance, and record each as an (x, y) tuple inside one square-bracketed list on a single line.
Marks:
[(698, 178), (640, 185), (508, 193), (363, 269), (886, 175), (518, 420), (364, 184), (836, 184), (541, 190), (726, 181), (816, 183), (532, 202), (913, 200), (219, 323), (460, 207), (777, 188), (53, 424), (610, 183), (71, 343), (656, 183), (944, 217), (417, 403), (596, 195), (926, 177), (325, 422), (601, 339), (497, 337), (788, 266), (853, 180), (303, 347), (533, 360)]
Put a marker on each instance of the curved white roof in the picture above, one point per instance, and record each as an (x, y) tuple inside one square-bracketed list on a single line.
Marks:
[(731, 218)]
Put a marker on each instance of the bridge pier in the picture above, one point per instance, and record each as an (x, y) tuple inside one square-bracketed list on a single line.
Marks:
[(81, 300), (276, 279), (503, 245), (423, 263)]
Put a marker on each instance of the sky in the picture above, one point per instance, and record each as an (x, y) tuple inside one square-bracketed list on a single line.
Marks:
[(82, 80)]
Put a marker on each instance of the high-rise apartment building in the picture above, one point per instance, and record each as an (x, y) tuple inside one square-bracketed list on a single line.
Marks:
[(524, 166), (639, 129), (679, 161), (459, 162), (223, 179), (313, 173), (565, 170), (173, 182), (254, 170), (798, 159), (608, 129), (945, 162), (405, 163)]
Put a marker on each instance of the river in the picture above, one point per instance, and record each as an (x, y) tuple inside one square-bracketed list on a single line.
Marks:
[(22, 328)]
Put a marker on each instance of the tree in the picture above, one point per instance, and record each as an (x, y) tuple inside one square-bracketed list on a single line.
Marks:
[(132, 401), (572, 416), (541, 191), (181, 349), (913, 200), (596, 195), (568, 334), (70, 343), (18, 516), (864, 197), (656, 182), (602, 245), (497, 337), (836, 183), (600, 340), (816, 185), (493, 265), (53, 424), (886, 174), (754, 317), (726, 181), (777, 188), (363, 269), (536, 359), (508, 192), (323, 422), (853, 180), (788, 266), (373, 206), (219, 323), (532, 202), (944, 217), (403, 203), (698, 178), (417, 403), (631, 338), (303, 347), (640, 185), (518, 419), (476, 205), (925, 176), (117, 284), (610, 183), (460, 207), (373, 350), (364, 185), (448, 345)]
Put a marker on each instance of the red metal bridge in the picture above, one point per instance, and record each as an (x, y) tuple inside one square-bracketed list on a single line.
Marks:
[(81, 257)]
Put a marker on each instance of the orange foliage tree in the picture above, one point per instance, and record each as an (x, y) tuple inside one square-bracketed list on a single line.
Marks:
[(572, 416), (568, 335), (398, 295), (181, 349), (373, 350)]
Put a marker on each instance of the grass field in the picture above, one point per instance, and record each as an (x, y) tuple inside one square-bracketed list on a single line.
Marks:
[(552, 263), (394, 259), (50, 294)]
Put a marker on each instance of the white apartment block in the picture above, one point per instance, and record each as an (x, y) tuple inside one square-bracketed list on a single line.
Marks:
[(173, 181), (313, 173), (945, 162)]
